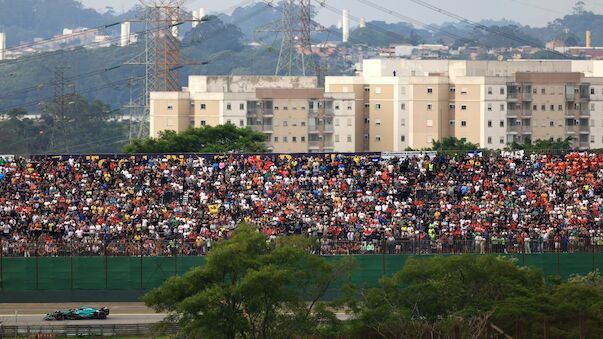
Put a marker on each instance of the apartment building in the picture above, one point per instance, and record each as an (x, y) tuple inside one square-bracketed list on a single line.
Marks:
[(395, 104), (295, 115)]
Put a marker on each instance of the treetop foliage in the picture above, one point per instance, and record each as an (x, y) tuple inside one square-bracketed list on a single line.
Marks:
[(208, 139)]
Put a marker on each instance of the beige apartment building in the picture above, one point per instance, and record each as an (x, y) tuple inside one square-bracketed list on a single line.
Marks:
[(395, 104), (295, 115)]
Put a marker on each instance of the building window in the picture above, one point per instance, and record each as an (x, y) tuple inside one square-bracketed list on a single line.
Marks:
[(429, 139), (228, 122), (489, 107), (378, 122), (378, 106), (378, 138), (294, 139), (203, 123), (592, 107), (349, 122), (502, 123), (430, 123), (489, 123), (170, 122), (490, 90), (242, 107), (535, 90), (367, 105), (170, 107), (349, 107), (592, 139), (337, 107), (284, 123), (463, 91), (451, 122), (284, 139), (490, 140), (275, 139), (551, 123), (543, 107), (378, 90), (285, 108), (560, 108), (229, 107), (403, 122), (203, 106), (367, 89), (592, 123), (402, 90), (543, 90), (403, 138), (303, 123), (553, 108), (535, 107), (451, 106), (502, 91), (452, 89), (463, 123), (336, 137), (501, 140), (336, 122), (429, 107), (429, 90), (403, 107), (303, 139), (592, 91), (502, 107), (241, 123), (349, 138), (463, 107)]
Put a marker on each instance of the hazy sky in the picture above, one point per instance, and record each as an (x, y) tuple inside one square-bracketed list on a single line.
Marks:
[(532, 12)]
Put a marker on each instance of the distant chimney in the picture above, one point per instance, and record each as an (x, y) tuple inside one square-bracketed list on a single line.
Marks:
[(201, 13), (345, 26), (195, 18), (2, 46), (587, 39), (125, 34), (362, 23)]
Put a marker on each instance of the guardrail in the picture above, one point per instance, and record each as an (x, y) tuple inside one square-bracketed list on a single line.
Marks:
[(51, 331)]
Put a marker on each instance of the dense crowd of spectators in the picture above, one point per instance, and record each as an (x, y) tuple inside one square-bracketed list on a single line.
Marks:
[(351, 204)]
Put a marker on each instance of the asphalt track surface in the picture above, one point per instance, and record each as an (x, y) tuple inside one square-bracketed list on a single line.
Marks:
[(121, 313), (113, 319)]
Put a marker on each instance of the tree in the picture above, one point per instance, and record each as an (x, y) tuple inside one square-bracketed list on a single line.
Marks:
[(543, 145), (462, 296), (219, 139), (251, 288)]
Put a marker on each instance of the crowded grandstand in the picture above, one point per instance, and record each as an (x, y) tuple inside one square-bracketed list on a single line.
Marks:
[(351, 203)]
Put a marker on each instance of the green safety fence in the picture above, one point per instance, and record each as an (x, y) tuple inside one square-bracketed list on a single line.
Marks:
[(65, 275)]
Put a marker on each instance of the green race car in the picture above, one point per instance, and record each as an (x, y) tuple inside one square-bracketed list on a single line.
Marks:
[(83, 312)]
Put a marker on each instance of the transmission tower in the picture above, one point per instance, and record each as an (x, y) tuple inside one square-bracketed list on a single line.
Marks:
[(296, 27), (161, 58)]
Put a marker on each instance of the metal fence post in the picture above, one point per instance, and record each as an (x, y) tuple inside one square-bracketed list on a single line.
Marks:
[(1, 265), (71, 263), (37, 265), (593, 250), (383, 244), (558, 261), (141, 262), (106, 262)]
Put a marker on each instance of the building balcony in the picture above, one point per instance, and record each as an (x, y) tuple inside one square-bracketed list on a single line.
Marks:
[(519, 96), (320, 128), (519, 129)]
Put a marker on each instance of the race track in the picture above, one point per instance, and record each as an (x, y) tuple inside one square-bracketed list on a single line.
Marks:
[(113, 319)]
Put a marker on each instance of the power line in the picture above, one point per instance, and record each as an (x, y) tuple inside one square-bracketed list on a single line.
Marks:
[(480, 26), (429, 27)]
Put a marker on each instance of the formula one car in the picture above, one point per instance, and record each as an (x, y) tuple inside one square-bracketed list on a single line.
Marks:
[(83, 312)]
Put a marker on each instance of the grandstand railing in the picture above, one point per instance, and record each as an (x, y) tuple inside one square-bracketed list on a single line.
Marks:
[(179, 246)]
